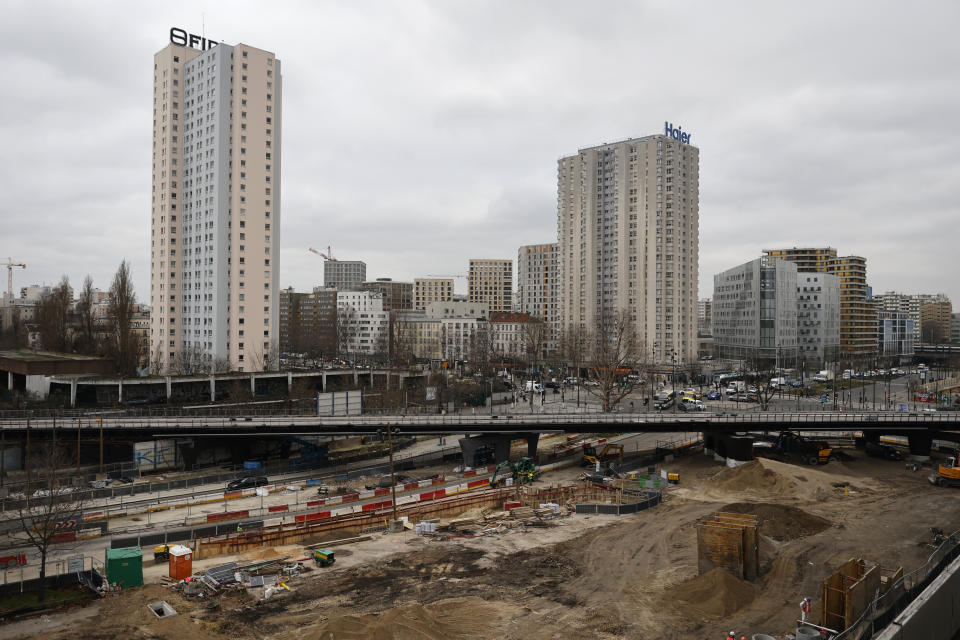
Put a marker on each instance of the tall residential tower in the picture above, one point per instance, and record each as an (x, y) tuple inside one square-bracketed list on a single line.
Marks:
[(628, 227), (215, 208)]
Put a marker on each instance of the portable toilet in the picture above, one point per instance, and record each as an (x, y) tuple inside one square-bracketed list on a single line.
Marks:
[(181, 562), (125, 567)]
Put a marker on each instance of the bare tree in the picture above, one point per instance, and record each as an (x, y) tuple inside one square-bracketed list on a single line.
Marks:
[(613, 350), (264, 358), (86, 323), (763, 368), (48, 509), (573, 347), (53, 314), (481, 351), (402, 341), (123, 346), (14, 333), (347, 331)]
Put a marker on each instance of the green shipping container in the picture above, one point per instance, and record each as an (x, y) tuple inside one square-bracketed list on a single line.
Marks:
[(125, 567)]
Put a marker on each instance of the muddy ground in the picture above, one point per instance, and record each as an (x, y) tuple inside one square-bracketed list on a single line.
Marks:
[(606, 577)]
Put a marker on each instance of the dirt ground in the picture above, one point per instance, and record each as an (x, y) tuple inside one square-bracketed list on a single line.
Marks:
[(591, 577)]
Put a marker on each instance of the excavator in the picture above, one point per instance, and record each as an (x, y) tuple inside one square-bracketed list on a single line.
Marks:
[(948, 474), (523, 471), (609, 452)]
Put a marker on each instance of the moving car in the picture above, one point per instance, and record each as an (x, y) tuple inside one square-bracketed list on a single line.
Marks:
[(714, 395), (247, 482), (692, 405)]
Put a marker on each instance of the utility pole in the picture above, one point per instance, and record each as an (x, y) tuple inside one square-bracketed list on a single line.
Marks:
[(393, 482)]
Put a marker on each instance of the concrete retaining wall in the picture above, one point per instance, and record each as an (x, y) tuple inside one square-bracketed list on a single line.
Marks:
[(934, 615)]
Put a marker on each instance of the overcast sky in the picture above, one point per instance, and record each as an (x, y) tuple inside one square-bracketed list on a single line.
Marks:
[(417, 135)]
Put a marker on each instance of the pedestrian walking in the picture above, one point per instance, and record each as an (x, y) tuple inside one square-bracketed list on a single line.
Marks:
[(804, 609)]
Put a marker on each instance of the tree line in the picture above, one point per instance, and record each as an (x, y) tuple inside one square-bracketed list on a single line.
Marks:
[(65, 326)]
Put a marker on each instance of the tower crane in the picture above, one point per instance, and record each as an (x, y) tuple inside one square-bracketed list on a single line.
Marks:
[(326, 256), (441, 275), (10, 265)]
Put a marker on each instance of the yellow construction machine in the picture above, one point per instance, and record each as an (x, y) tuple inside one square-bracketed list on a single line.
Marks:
[(948, 474), (609, 452)]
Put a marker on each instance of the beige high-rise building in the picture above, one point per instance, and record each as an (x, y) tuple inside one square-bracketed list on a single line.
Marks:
[(491, 281), (215, 222), (629, 227), (427, 290)]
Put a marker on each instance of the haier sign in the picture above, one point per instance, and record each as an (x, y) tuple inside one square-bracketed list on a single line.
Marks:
[(676, 134)]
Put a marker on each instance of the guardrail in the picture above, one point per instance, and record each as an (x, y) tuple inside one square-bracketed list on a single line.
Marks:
[(490, 422)]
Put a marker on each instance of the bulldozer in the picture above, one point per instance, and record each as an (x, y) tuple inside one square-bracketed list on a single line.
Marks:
[(948, 474), (609, 452)]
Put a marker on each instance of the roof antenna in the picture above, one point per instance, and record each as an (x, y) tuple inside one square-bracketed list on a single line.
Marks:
[(203, 24)]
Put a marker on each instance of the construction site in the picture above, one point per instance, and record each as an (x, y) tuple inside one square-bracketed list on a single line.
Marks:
[(684, 547)]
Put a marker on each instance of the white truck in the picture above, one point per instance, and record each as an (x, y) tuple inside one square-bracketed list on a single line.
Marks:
[(823, 376)]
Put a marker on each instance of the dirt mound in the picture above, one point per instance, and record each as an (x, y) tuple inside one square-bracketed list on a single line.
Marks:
[(780, 522), (715, 594), (769, 480), (264, 553), (456, 618)]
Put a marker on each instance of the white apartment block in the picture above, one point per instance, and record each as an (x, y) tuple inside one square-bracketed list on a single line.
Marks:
[(362, 324), (628, 230), (215, 206), (491, 281), (512, 333), (755, 310), (538, 287), (818, 316), (427, 290), (344, 274)]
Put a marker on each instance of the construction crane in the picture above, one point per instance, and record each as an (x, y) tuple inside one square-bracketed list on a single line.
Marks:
[(440, 275), (326, 256), (10, 265)]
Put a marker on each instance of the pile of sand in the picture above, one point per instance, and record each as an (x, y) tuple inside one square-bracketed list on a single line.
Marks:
[(767, 480), (456, 618), (780, 522), (263, 553), (715, 594)]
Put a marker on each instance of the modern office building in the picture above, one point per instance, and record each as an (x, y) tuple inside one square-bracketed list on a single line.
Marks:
[(895, 334), (491, 281), (538, 285), (215, 213), (755, 311), (397, 296), (308, 322), (818, 317), (346, 275), (858, 315), (955, 328), (628, 231), (427, 290)]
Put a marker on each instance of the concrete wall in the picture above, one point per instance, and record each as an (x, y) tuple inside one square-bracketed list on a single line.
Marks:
[(934, 615)]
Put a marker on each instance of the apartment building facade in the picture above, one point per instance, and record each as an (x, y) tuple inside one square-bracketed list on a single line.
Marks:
[(628, 231), (491, 282), (895, 334), (818, 317), (397, 296), (362, 324), (215, 211), (308, 322), (538, 288), (427, 290)]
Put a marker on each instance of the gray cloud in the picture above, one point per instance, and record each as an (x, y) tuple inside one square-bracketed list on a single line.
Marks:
[(420, 134)]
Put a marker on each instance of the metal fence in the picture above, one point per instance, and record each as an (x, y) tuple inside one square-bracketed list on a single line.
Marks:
[(887, 606)]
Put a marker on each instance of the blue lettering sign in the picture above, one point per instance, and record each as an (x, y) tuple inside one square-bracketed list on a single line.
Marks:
[(676, 134)]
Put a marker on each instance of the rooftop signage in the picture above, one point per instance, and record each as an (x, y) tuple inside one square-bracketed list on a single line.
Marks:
[(676, 134), (192, 40)]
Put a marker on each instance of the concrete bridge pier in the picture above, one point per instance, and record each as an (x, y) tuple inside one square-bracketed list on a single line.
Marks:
[(500, 443), (920, 444)]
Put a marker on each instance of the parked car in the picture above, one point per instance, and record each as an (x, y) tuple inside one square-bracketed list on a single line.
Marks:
[(247, 482)]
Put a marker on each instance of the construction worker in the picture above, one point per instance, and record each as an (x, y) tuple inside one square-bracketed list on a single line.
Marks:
[(732, 636), (239, 528), (805, 605)]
